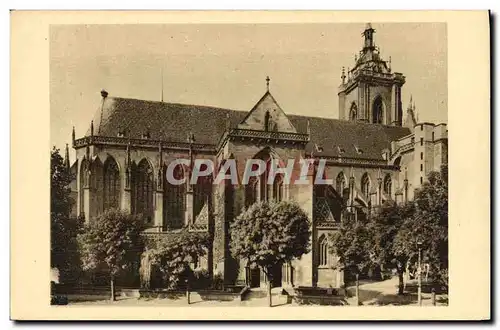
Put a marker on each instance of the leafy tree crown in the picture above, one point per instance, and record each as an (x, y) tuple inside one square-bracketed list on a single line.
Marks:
[(270, 233)]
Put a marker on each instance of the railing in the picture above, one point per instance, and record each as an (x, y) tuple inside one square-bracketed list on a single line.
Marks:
[(248, 133), (327, 225), (354, 161), (123, 141), (198, 227), (371, 73)]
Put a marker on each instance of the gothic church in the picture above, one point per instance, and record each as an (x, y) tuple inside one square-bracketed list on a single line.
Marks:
[(373, 154)]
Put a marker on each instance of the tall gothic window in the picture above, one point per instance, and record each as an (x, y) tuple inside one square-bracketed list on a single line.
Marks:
[(252, 191), (111, 196), (378, 111), (323, 251), (176, 200), (365, 185), (202, 191), (266, 192), (278, 188), (388, 185), (340, 184), (96, 183), (353, 112), (83, 182), (143, 190)]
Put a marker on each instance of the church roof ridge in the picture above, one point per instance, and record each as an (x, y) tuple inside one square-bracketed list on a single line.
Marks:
[(128, 117), (175, 103)]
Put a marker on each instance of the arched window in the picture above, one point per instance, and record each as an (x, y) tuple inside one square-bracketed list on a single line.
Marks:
[(353, 112), (202, 191), (273, 191), (143, 190), (111, 196), (365, 185), (388, 185), (278, 188), (175, 200), (323, 251), (378, 111), (340, 183), (95, 181), (264, 177), (84, 168), (252, 191), (266, 121)]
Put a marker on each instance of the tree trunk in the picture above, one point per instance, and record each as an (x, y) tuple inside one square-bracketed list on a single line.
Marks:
[(401, 280), (269, 286), (113, 298), (188, 295), (357, 289), (269, 294)]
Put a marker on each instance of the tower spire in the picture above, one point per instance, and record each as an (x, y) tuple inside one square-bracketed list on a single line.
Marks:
[(343, 75), (267, 82)]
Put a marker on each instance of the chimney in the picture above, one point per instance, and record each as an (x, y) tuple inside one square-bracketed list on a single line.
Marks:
[(104, 94)]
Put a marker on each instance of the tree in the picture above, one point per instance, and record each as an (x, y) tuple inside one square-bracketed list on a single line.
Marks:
[(384, 227), (353, 245), (173, 256), (111, 243), (268, 234), (63, 227), (429, 225)]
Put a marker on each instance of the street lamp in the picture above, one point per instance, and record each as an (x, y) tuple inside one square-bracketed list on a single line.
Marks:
[(419, 246)]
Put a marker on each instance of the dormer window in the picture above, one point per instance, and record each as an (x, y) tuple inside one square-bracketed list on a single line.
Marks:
[(146, 135), (318, 148), (358, 149), (121, 134), (340, 150)]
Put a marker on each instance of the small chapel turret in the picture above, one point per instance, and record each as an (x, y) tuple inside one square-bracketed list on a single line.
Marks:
[(372, 92)]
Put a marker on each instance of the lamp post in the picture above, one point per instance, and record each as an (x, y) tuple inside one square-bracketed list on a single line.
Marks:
[(419, 245)]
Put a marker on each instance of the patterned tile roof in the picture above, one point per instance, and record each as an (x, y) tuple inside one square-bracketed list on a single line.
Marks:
[(173, 121)]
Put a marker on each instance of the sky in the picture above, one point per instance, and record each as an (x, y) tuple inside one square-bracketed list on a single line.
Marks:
[(225, 65)]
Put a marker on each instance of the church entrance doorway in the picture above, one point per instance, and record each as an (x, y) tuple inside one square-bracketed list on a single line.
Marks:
[(276, 272), (254, 277)]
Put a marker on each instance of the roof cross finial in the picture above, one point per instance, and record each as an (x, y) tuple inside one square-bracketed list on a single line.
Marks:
[(267, 82)]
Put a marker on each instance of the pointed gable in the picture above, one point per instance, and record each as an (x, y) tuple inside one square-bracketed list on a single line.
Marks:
[(267, 112)]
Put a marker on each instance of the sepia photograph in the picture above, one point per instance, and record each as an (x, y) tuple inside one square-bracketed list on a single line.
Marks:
[(242, 166), (249, 165)]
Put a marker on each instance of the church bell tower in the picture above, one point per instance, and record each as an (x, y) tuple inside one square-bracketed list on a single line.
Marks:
[(371, 92)]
